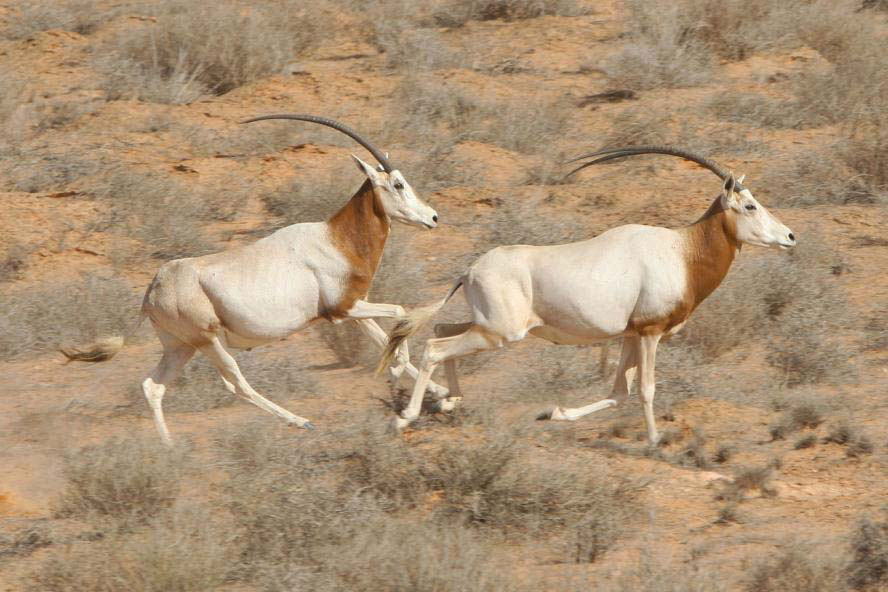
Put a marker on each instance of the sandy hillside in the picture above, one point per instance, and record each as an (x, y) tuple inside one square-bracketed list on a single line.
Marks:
[(121, 149)]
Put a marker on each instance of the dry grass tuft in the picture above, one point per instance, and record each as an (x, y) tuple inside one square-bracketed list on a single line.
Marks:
[(728, 514), (35, 16), (724, 453), (801, 416), (425, 557), (493, 485), (187, 52), (694, 452), (868, 569), (184, 549), (846, 434), (525, 125), (45, 316), (660, 53), (125, 479), (748, 479), (796, 569), (456, 13), (808, 441)]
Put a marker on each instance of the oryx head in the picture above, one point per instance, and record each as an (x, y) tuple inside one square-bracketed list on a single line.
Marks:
[(750, 222), (394, 193), (397, 196), (753, 223)]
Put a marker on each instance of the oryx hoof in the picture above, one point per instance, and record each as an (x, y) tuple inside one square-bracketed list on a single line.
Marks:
[(555, 414), (448, 404), (395, 373), (301, 423), (397, 424), (437, 391)]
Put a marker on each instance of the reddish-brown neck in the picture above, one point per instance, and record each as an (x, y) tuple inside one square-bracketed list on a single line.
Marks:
[(711, 247), (359, 231)]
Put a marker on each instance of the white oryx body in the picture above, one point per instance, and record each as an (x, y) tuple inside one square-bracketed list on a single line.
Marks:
[(636, 282), (256, 294), (265, 291), (551, 288)]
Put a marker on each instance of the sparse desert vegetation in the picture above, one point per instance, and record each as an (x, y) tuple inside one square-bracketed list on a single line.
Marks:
[(121, 149)]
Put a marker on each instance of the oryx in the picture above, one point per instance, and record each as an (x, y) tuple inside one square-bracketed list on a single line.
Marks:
[(262, 292), (638, 282)]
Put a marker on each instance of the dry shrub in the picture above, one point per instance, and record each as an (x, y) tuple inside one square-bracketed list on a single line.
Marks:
[(456, 13), (78, 16), (44, 316), (522, 125), (13, 260), (657, 571), (803, 348), (724, 453), (492, 484), (660, 52), (796, 569), (846, 434), (124, 478), (298, 201), (163, 214), (868, 568), (758, 110), (748, 479), (39, 170), (192, 49), (808, 441), (425, 557), (814, 177), (804, 415), (694, 452), (282, 496), (416, 50), (185, 549), (646, 126)]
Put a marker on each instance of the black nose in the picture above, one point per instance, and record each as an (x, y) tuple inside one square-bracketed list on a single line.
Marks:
[(435, 219), (791, 236)]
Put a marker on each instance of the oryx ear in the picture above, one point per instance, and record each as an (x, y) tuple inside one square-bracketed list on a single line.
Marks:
[(728, 199), (741, 179), (368, 170)]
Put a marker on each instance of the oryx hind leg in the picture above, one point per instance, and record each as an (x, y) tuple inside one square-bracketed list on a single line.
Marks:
[(175, 355), (228, 368), (625, 374), (449, 402), (372, 330)]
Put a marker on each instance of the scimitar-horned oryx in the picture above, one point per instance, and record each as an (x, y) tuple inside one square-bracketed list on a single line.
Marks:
[(263, 292), (638, 282)]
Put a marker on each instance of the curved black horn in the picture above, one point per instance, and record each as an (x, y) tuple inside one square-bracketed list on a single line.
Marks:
[(378, 155), (614, 153)]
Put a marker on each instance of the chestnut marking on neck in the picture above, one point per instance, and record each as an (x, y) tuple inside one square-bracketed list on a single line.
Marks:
[(358, 231), (711, 247)]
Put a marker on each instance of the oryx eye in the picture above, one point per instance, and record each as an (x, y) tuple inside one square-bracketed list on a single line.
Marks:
[(750, 207), (399, 186)]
